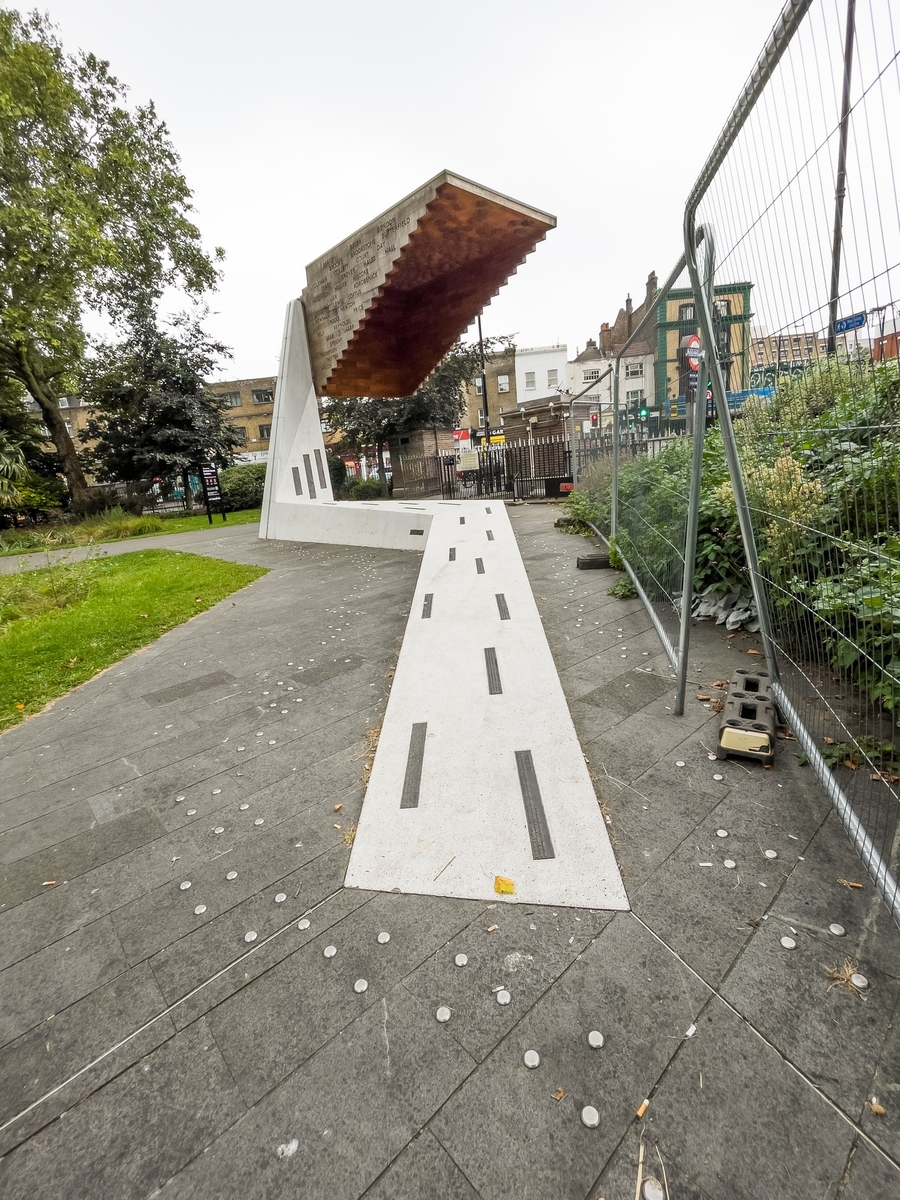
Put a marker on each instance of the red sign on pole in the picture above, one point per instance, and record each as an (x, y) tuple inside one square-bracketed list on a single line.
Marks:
[(692, 351)]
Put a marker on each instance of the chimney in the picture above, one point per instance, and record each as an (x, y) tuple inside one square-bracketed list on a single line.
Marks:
[(628, 315)]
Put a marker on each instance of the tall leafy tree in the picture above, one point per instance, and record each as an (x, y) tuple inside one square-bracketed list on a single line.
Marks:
[(369, 423), (95, 214), (152, 415)]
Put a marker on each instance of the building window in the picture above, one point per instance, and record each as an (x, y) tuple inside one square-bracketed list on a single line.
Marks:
[(478, 386), (722, 308), (530, 385), (481, 414), (591, 374), (635, 396), (262, 396), (553, 378), (502, 383), (265, 432), (233, 399), (63, 402), (634, 370), (686, 312), (68, 425), (241, 431)]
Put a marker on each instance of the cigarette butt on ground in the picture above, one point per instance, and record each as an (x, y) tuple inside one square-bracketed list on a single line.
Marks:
[(643, 1108)]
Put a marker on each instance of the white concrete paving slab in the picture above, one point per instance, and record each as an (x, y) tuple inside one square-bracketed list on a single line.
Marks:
[(479, 773)]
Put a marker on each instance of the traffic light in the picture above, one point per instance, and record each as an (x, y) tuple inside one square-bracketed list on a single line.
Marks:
[(595, 420), (643, 412)]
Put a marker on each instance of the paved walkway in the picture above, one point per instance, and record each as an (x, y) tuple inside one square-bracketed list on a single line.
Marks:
[(152, 1044)]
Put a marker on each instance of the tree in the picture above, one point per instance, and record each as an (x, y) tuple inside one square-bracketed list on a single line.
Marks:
[(368, 422), (153, 417), (94, 215)]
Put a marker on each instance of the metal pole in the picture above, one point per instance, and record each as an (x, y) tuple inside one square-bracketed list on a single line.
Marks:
[(484, 395), (730, 446), (840, 186), (614, 499)]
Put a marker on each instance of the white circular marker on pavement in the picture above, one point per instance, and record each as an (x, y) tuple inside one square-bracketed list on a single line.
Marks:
[(837, 930), (859, 981), (360, 985), (503, 996), (461, 960), (259, 821), (184, 886), (192, 812), (244, 807), (679, 763), (217, 791), (590, 1117), (199, 910), (280, 898), (178, 799), (721, 833), (383, 939), (652, 1190), (788, 943), (231, 875), (330, 951), (251, 936), (304, 924), (718, 777), (219, 829), (443, 1014), (771, 854), (532, 1059), (595, 1039), (729, 863)]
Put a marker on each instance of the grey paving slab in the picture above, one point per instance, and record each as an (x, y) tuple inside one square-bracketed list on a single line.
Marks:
[(528, 950), (741, 1122), (315, 995), (39, 987), (261, 858), (625, 986), (323, 1132), (870, 1175), (424, 1171), (620, 1175), (27, 876), (884, 1128), (833, 1034), (134, 1133), (44, 1070)]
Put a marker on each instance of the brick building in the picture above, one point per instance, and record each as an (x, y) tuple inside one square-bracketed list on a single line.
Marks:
[(250, 403)]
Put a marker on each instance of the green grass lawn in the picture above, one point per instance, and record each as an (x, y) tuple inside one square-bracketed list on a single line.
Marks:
[(52, 537), (61, 625)]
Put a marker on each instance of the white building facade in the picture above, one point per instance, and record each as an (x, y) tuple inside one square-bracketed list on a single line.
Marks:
[(540, 372)]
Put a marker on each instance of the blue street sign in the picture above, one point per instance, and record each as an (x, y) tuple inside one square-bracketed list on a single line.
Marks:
[(847, 323)]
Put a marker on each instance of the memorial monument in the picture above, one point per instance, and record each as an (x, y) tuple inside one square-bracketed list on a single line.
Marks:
[(378, 313)]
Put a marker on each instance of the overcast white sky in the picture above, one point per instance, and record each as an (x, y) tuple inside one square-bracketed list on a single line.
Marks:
[(299, 120)]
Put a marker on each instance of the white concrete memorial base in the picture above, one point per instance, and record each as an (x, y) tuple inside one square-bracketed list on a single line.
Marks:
[(479, 776)]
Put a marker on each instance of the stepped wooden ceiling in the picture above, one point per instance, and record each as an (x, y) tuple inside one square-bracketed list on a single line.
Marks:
[(384, 306)]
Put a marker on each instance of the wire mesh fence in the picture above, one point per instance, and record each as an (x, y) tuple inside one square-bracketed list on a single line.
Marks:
[(802, 197)]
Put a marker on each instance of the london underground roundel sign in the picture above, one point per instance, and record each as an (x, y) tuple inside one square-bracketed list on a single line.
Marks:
[(692, 352)]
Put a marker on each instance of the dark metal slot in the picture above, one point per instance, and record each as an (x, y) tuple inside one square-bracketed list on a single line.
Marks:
[(495, 687), (503, 607), (487, 510), (426, 605), (412, 780), (479, 565), (490, 534), (309, 477), (462, 520), (453, 554), (298, 486), (538, 830), (417, 532), (320, 469)]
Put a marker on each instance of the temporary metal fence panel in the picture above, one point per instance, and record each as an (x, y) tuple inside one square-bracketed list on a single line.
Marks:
[(802, 194)]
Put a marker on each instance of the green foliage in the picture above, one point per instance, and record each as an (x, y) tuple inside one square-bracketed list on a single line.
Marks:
[(113, 524), (152, 415), (579, 508), (95, 214), (367, 423), (337, 473), (242, 486), (623, 589), (113, 606), (615, 558), (30, 593), (362, 489)]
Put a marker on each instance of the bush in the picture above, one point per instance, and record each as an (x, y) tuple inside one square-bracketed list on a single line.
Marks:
[(363, 489), (115, 523), (242, 487)]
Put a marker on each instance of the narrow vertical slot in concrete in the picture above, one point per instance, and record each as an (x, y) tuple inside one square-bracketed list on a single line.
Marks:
[(412, 780), (298, 486), (495, 687), (538, 830), (307, 466), (453, 554), (502, 606), (479, 566), (426, 605)]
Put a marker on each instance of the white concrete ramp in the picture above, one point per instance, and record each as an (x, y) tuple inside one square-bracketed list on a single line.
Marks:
[(479, 772)]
